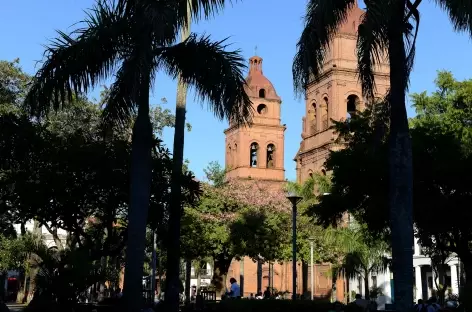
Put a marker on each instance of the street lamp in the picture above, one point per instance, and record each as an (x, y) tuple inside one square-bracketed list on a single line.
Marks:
[(294, 199), (312, 241)]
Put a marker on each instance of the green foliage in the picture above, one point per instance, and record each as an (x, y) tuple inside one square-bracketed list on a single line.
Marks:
[(442, 169), (14, 252), (13, 86), (215, 173)]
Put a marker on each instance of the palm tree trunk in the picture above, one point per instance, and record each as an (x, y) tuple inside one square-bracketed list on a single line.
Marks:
[(175, 214), (141, 167), (188, 272), (366, 286), (400, 168)]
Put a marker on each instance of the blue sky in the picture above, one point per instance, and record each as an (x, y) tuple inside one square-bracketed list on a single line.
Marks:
[(271, 25)]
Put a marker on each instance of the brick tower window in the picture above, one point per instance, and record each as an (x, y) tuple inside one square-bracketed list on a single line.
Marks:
[(270, 156), (313, 114), (324, 113), (262, 93), (253, 155), (261, 109), (353, 102)]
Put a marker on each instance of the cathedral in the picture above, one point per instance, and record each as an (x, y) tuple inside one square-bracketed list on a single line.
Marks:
[(257, 151)]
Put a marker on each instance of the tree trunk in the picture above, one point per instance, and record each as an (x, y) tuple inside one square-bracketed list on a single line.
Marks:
[(141, 167), (188, 273), (366, 286), (199, 280), (175, 213), (400, 168), (304, 278), (220, 270)]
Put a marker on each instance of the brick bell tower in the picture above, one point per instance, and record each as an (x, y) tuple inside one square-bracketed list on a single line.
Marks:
[(257, 151), (336, 94)]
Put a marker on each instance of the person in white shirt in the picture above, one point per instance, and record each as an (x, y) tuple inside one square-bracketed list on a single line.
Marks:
[(235, 291)]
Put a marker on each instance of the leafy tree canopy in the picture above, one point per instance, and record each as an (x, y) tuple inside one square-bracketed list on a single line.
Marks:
[(442, 168)]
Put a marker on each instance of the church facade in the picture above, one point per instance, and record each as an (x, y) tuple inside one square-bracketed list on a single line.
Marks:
[(255, 153), (334, 95)]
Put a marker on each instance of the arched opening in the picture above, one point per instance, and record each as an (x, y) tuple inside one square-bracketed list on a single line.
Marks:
[(324, 113), (313, 116), (253, 155), (270, 156), (262, 93), (310, 174), (323, 172), (229, 156), (353, 103), (261, 109)]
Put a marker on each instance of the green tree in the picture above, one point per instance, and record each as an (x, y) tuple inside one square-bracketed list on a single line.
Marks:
[(140, 36), (388, 30), (215, 174), (364, 254), (441, 171)]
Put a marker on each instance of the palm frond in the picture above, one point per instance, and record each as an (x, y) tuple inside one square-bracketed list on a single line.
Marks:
[(372, 45), (216, 74), (122, 98), (76, 62), (460, 13), (320, 25), (411, 34)]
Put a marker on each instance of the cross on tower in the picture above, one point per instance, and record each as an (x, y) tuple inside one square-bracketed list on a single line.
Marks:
[(255, 50)]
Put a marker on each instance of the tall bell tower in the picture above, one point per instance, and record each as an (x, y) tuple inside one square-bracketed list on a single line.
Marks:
[(336, 94), (256, 151)]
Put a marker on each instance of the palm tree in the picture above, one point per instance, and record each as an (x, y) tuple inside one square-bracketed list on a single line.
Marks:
[(363, 257), (130, 41), (388, 29)]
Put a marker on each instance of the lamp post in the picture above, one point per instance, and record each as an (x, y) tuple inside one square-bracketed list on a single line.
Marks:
[(294, 199), (312, 241)]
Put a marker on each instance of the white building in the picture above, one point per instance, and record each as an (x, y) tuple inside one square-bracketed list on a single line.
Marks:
[(423, 276)]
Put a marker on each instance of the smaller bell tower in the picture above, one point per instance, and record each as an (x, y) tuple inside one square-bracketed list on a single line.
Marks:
[(256, 151)]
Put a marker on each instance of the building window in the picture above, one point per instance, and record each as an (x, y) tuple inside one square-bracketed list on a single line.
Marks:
[(353, 102), (270, 156), (229, 156), (324, 113), (374, 281), (262, 93), (313, 123), (253, 155), (310, 174), (261, 109)]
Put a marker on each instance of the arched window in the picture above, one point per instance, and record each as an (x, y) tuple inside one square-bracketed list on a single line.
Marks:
[(270, 156), (310, 174), (261, 109), (324, 113), (253, 155), (229, 156), (353, 103), (313, 117), (262, 93)]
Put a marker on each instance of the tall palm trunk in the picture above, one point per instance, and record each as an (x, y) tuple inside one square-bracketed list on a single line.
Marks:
[(175, 214), (141, 167), (188, 277), (366, 286), (400, 169)]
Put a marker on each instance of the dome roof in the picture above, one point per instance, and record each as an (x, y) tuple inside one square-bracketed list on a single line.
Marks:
[(352, 22), (257, 84)]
